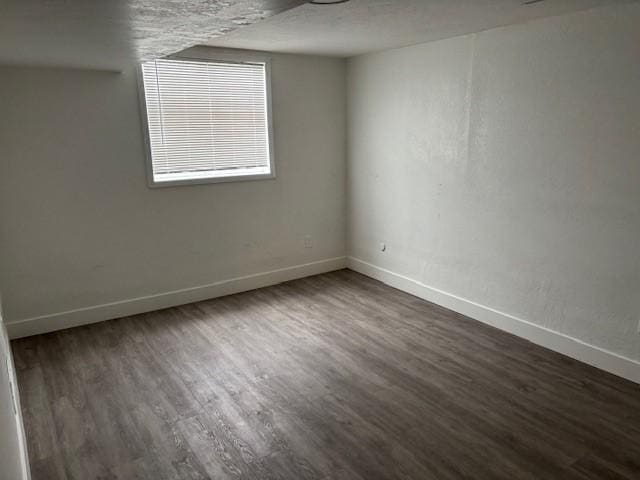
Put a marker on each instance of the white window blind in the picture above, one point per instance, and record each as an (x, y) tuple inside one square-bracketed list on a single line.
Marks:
[(206, 120)]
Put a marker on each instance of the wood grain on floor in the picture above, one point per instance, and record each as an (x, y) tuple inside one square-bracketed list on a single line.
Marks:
[(335, 376)]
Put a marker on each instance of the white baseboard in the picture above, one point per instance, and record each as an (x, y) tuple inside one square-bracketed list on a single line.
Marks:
[(123, 308), (561, 343), (572, 347)]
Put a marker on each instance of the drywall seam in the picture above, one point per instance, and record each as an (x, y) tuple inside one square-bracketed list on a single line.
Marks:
[(558, 342), (98, 313)]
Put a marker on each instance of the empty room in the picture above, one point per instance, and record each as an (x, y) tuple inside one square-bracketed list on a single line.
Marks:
[(320, 240)]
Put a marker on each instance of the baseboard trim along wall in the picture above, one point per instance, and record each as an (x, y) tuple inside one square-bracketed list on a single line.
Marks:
[(572, 347), (558, 342), (107, 311)]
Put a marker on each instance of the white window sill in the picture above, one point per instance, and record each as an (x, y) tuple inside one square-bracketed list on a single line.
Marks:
[(214, 176)]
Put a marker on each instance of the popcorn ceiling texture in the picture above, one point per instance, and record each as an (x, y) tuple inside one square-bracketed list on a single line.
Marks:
[(164, 27), (112, 34), (364, 26)]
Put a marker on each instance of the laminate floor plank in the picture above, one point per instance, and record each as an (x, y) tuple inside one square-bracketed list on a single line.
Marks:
[(336, 376)]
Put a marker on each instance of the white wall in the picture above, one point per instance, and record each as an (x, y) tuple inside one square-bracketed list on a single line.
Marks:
[(501, 168), (504, 168), (81, 228), (13, 452)]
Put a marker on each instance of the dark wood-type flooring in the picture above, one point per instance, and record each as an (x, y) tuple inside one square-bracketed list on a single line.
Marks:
[(330, 377)]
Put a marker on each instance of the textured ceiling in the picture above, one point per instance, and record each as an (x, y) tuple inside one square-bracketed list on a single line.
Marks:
[(361, 26), (112, 33)]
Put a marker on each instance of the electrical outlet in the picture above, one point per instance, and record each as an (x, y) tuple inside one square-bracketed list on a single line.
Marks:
[(308, 241)]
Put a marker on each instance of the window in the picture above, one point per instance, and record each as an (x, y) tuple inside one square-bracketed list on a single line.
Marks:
[(207, 121)]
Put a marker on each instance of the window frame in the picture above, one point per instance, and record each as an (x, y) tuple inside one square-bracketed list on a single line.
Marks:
[(213, 57)]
